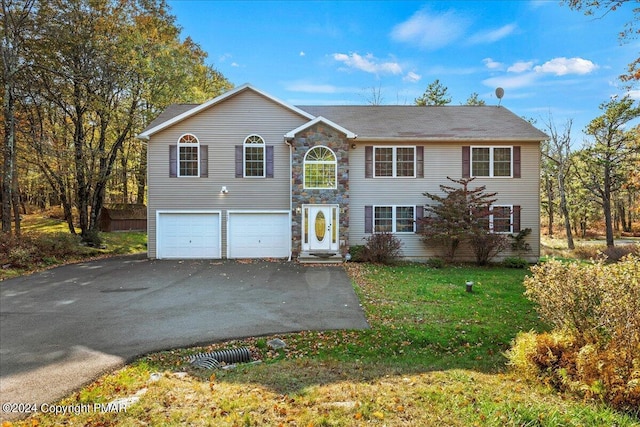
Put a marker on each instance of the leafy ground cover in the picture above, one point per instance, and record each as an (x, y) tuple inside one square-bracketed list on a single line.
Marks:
[(47, 242), (433, 357)]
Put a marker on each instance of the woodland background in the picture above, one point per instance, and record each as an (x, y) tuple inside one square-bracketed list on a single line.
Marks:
[(82, 77)]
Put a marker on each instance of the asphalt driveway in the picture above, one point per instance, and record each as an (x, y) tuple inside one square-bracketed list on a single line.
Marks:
[(67, 325)]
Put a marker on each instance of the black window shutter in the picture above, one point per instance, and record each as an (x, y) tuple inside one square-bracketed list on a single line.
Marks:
[(420, 162), (269, 155), (173, 161), (419, 217), (239, 162), (204, 161), (368, 219), (516, 219), (368, 161), (466, 161), (516, 162)]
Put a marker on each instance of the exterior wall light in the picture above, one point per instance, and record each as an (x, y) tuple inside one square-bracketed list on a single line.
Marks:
[(224, 190)]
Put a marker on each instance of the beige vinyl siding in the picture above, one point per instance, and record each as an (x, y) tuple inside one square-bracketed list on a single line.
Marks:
[(441, 160), (222, 127)]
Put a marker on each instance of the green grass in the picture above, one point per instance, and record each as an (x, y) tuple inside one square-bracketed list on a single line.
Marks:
[(432, 357)]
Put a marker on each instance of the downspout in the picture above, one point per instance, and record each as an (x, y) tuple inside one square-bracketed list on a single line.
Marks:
[(288, 142)]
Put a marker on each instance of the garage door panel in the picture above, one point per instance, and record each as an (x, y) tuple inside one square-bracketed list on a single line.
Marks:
[(258, 235), (188, 235)]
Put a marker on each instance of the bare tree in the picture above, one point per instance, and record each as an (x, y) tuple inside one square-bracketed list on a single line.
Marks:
[(375, 96), (559, 153)]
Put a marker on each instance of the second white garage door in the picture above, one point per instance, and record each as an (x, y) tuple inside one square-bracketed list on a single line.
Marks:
[(258, 234)]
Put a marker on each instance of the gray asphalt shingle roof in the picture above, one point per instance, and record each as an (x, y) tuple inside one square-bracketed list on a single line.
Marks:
[(412, 122), (441, 122), (169, 113)]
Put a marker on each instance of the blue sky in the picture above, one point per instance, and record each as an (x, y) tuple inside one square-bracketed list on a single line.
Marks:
[(548, 58)]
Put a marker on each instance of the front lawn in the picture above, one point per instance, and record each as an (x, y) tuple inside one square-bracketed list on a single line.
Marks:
[(432, 357)]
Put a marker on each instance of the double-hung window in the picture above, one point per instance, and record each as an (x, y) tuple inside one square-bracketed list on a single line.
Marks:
[(492, 161), (501, 219), (254, 158), (188, 162), (394, 219), (394, 161)]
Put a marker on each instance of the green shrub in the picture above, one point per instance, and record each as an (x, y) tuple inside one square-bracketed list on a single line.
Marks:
[(515, 262), (382, 248), (57, 245), (33, 249), (519, 243), (20, 257), (435, 263), (594, 349), (92, 239), (356, 252)]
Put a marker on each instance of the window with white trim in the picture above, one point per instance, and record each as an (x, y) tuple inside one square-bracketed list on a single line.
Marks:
[(394, 161), (188, 161), (320, 168), (492, 161), (254, 156), (500, 219), (394, 219)]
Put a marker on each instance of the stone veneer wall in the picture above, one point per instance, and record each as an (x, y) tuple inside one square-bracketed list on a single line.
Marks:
[(319, 134)]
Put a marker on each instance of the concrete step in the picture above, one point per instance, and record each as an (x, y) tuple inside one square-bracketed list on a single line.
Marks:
[(320, 258)]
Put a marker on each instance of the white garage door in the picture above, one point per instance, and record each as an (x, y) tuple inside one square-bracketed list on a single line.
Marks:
[(258, 235), (188, 235)]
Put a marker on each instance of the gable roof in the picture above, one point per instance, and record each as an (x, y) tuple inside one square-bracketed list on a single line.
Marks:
[(348, 133), (384, 122), (411, 122), (177, 112)]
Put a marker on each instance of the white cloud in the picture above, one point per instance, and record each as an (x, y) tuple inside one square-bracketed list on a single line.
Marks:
[(224, 57), (412, 77), (634, 94), (491, 64), (562, 66), (492, 36), (368, 63), (303, 86), (520, 67), (511, 82), (430, 31), (302, 53), (235, 64)]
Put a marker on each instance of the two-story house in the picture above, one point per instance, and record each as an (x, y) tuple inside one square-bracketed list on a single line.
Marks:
[(246, 175)]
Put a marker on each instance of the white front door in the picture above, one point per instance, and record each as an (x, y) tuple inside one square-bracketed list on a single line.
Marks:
[(321, 227)]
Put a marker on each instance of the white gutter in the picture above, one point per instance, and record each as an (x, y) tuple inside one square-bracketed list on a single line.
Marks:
[(456, 140)]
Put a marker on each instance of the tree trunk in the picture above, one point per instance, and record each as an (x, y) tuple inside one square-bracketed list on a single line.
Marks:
[(606, 205), (629, 214), (141, 175), (565, 209), (549, 189), (9, 152), (82, 190), (15, 201), (123, 175)]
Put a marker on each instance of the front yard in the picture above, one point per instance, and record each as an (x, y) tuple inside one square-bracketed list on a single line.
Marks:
[(433, 356)]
